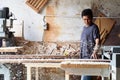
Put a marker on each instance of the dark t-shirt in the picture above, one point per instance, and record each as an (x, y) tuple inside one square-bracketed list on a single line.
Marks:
[(87, 42)]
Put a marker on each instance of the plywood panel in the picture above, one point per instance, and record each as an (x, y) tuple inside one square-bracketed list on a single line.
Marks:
[(105, 25)]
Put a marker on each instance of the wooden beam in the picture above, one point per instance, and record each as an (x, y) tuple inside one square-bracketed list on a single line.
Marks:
[(67, 76)]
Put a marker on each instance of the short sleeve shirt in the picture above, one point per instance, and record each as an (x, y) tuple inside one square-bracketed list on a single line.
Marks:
[(87, 41)]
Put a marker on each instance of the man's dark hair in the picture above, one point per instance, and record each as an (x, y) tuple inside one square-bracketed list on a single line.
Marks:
[(87, 12)]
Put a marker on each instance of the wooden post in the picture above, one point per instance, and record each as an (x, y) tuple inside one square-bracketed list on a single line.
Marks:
[(28, 73), (37, 76), (67, 76)]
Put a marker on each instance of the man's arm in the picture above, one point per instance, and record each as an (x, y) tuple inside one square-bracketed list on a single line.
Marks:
[(96, 48)]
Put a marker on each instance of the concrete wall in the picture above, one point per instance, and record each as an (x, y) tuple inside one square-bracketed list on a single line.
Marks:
[(62, 16), (110, 8)]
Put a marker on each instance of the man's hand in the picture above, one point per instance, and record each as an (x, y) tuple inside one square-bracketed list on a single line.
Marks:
[(94, 55)]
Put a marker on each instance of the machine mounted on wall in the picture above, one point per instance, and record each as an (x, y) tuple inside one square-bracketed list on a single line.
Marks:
[(6, 23)]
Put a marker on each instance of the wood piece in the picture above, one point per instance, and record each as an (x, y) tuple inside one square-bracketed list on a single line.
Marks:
[(40, 5), (85, 65), (24, 59), (103, 35), (31, 1), (36, 4), (47, 65), (104, 24), (34, 56), (67, 76), (32, 7), (29, 73), (9, 49)]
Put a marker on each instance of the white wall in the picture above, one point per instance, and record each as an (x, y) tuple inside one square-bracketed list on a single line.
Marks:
[(33, 22)]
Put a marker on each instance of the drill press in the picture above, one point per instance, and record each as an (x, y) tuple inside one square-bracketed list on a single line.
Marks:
[(6, 23)]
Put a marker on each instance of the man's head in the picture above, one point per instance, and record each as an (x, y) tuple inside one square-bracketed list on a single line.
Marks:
[(87, 16)]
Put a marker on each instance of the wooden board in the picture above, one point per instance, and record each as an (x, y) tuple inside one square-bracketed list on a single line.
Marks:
[(85, 65), (105, 25), (36, 4), (9, 49)]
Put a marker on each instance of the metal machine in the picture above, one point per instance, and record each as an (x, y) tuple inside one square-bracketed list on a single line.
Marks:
[(108, 51), (6, 23), (113, 53)]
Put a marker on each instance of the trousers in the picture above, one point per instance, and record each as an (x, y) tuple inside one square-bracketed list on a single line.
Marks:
[(84, 77)]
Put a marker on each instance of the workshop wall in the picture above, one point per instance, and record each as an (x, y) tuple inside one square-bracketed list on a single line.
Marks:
[(109, 7), (62, 17), (64, 24)]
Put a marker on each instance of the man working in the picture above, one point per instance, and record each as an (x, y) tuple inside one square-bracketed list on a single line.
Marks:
[(90, 39)]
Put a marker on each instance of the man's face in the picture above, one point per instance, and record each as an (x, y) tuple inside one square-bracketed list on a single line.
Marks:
[(87, 20)]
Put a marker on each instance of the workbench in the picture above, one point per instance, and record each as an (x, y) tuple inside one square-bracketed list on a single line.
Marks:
[(91, 67)]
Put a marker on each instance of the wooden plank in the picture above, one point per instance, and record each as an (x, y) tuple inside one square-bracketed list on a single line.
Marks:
[(36, 4), (103, 35), (40, 5), (9, 49), (33, 60), (34, 56), (31, 1), (47, 65), (85, 65), (32, 7), (105, 26)]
